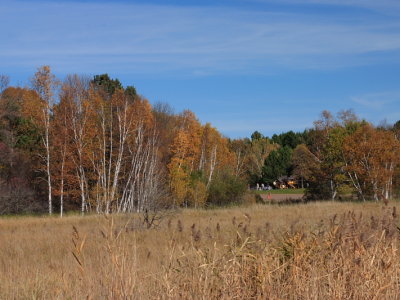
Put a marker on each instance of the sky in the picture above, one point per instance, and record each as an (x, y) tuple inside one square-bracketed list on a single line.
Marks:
[(242, 65)]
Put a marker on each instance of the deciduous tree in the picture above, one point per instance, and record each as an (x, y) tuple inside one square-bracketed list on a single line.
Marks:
[(44, 83), (372, 156)]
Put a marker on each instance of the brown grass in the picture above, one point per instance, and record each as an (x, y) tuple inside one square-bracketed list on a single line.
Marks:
[(312, 251)]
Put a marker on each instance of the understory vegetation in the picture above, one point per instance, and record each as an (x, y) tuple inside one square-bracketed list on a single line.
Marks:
[(317, 250)]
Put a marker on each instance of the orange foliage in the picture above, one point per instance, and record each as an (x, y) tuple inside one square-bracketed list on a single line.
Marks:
[(372, 156)]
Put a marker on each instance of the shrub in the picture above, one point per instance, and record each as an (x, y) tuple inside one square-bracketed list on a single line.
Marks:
[(226, 189)]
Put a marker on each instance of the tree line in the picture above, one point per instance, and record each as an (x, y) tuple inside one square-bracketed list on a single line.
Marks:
[(93, 145), (341, 157)]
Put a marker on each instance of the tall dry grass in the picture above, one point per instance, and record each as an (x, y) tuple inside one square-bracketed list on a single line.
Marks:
[(313, 251)]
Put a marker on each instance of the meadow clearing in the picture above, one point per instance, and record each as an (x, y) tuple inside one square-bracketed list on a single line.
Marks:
[(332, 250)]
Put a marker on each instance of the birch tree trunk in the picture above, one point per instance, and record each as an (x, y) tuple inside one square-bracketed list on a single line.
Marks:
[(213, 162), (44, 83)]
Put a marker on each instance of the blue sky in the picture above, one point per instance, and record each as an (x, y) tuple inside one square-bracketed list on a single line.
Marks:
[(242, 65)]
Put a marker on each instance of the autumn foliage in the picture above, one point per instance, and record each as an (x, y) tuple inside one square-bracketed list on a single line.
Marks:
[(93, 145), (89, 144)]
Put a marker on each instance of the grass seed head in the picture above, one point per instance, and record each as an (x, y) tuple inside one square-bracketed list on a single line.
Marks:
[(180, 226)]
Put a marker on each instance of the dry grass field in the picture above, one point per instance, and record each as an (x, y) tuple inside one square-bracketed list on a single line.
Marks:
[(322, 250)]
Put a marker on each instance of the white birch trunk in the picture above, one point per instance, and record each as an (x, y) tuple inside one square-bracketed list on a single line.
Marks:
[(213, 162)]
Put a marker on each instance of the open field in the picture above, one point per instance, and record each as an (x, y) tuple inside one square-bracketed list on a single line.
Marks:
[(281, 198), (304, 251), (281, 191)]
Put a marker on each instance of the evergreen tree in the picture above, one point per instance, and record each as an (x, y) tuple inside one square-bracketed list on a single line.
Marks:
[(277, 164), (108, 85)]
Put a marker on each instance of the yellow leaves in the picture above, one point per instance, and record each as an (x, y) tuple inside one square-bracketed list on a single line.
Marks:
[(31, 104), (141, 111), (213, 142), (179, 181), (179, 166), (197, 194), (180, 146), (196, 148)]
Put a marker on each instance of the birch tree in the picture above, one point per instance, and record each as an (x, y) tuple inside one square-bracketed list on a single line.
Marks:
[(372, 158), (45, 83), (75, 105), (60, 136), (4, 81)]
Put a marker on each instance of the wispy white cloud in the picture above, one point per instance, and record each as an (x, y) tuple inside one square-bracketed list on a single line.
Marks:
[(379, 101), (386, 6), (199, 40)]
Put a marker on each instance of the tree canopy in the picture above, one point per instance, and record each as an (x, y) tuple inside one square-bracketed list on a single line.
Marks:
[(90, 144)]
